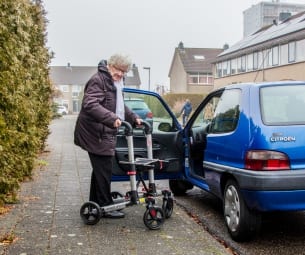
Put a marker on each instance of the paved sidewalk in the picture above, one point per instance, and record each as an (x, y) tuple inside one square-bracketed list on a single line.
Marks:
[(47, 220)]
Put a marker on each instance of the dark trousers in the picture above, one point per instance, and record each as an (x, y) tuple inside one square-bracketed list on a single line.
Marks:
[(100, 189), (184, 119)]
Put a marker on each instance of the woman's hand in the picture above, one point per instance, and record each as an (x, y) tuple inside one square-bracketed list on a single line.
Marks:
[(139, 121), (117, 123)]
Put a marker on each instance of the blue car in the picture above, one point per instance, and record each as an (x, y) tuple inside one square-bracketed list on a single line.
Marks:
[(245, 143), (140, 107)]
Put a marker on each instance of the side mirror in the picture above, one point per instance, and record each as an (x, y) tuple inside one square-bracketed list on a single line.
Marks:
[(165, 127)]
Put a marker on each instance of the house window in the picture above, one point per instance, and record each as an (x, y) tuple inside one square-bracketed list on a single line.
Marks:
[(239, 65), (200, 79), (243, 63), (234, 66), (210, 79), (275, 55), (300, 50), (291, 52), (250, 62), (75, 94), (269, 57), (255, 60), (199, 57), (76, 89), (194, 79), (229, 67), (218, 70), (64, 88), (224, 68), (260, 60)]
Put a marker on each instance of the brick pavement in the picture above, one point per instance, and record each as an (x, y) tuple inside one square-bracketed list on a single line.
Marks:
[(47, 221)]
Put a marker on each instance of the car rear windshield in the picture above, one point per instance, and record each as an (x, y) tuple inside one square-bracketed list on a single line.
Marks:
[(283, 105)]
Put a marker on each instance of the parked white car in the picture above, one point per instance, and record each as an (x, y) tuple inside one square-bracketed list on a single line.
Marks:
[(62, 110)]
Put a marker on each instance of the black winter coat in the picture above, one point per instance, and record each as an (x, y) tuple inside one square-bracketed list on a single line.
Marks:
[(94, 131)]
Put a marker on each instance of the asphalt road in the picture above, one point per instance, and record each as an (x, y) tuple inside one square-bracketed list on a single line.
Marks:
[(282, 233)]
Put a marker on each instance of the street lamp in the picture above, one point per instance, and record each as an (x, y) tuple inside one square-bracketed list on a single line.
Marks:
[(148, 68)]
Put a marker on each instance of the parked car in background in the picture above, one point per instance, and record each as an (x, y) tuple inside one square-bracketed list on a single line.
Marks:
[(244, 144), (62, 110), (139, 106)]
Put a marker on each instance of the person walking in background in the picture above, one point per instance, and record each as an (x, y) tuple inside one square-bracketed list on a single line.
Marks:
[(186, 111), (101, 115)]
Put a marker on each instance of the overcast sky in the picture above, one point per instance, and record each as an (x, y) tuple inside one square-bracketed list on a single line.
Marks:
[(82, 32)]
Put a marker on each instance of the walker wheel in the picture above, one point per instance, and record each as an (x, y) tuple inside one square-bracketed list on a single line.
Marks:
[(153, 217), (168, 207), (90, 212)]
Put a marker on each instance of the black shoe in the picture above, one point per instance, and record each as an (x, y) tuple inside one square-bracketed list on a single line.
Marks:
[(114, 215)]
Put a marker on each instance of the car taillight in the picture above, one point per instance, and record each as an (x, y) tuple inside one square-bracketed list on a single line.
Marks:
[(149, 115), (266, 160)]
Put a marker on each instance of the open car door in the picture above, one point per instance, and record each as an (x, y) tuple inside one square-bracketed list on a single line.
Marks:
[(166, 137)]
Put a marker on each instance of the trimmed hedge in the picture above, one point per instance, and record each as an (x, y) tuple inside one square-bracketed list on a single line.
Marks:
[(25, 91)]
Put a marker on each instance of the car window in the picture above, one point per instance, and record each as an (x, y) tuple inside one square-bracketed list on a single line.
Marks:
[(283, 105), (226, 114), (161, 120), (207, 113)]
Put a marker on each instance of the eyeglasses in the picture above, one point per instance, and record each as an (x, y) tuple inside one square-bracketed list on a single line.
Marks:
[(120, 70)]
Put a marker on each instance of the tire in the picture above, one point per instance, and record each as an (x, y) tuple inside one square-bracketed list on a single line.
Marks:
[(90, 212), (168, 207), (153, 217), (179, 187), (242, 223)]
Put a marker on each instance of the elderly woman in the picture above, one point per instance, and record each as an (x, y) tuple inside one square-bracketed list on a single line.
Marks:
[(101, 114)]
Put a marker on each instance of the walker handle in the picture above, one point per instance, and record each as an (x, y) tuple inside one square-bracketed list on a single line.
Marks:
[(128, 128), (147, 127)]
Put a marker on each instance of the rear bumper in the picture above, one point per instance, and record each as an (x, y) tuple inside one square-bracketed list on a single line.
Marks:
[(263, 180), (267, 190), (275, 200)]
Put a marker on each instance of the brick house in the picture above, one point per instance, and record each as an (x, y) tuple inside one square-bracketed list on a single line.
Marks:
[(191, 70)]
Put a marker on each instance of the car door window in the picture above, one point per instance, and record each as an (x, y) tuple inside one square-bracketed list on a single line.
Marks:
[(226, 114), (150, 109)]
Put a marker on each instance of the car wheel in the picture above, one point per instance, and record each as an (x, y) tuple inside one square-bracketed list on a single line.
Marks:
[(179, 187), (242, 223)]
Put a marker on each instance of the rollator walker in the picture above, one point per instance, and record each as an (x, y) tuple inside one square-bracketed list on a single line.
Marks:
[(154, 215)]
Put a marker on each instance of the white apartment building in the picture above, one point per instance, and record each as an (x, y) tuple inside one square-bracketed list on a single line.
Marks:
[(274, 53), (266, 13)]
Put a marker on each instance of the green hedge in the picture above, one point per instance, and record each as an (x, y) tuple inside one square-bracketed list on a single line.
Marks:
[(25, 91), (176, 101)]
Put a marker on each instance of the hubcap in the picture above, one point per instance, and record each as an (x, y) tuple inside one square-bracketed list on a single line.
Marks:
[(232, 208)]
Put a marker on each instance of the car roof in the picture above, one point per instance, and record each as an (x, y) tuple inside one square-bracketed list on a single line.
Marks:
[(263, 84)]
